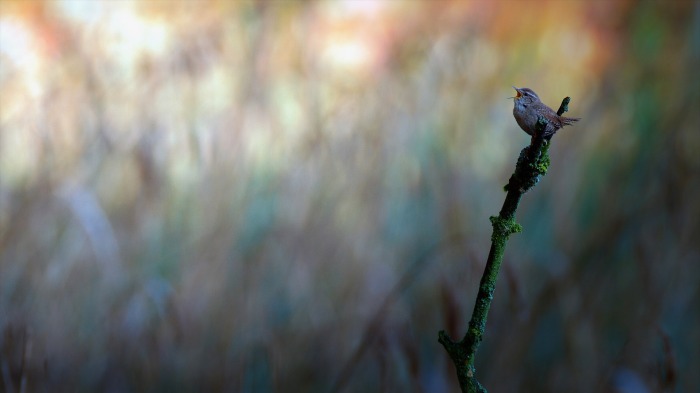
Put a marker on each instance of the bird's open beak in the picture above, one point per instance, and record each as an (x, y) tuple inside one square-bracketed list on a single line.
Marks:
[(517, 94)]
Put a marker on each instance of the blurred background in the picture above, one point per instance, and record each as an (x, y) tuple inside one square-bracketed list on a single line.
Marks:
[(286, 196)]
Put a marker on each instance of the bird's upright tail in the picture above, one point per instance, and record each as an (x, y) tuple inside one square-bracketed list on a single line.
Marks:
[(567, 121)]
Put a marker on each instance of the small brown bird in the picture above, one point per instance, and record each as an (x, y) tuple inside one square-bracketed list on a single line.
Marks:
[(528, 108)]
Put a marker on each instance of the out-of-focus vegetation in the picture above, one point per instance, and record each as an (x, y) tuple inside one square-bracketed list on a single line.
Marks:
[(220, 195)]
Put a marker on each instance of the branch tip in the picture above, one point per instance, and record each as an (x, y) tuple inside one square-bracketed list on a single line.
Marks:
[(564, 107)]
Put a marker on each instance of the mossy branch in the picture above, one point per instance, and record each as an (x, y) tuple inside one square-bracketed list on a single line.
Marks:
[(532, 164)]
